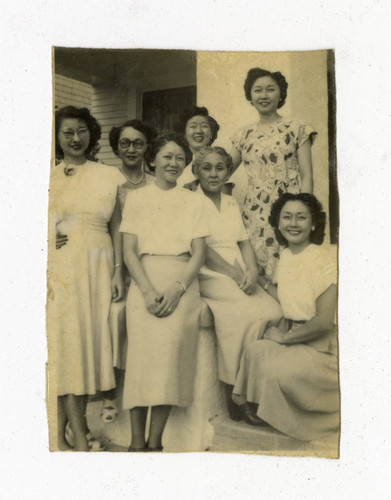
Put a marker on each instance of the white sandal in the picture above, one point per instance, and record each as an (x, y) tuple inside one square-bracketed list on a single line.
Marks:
[(93, 444)]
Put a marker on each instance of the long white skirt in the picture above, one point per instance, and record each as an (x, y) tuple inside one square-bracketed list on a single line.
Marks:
[(161, 357), (239, 319), (81, 282)]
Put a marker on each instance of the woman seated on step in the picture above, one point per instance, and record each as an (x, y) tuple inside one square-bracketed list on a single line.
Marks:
[(228, 280), (292, 373)]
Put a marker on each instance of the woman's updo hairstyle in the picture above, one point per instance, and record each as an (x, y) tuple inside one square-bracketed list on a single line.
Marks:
[(278, 77), (199, 157), (147, 130), (185, 116), (80, 114), (318, 216), (157, 144)]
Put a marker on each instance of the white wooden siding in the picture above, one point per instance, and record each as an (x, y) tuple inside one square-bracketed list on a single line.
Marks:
[(70, 92), (109, 105)]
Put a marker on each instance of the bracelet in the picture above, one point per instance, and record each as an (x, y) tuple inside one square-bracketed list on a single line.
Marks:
[(118, 265), (182, 285)]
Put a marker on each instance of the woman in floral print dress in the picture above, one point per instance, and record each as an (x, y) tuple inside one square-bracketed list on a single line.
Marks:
[(276, 153)]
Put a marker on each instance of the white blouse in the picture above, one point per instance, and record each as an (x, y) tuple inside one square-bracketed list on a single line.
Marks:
[(165, 222), (302, 278), (226, 228), (91, 189)]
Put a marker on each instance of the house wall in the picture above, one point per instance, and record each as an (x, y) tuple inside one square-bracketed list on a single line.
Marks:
[(70, 92), (220, 79), (109, 105)]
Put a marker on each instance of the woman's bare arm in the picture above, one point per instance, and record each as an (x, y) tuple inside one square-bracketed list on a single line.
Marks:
[(305, 167), (322, 322), (132, 261), (216, 263), (251, 266), (117, 285), (175, 290), (236, 157)]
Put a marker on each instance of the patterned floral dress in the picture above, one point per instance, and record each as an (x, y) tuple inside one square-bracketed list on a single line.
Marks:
[(269, 154)]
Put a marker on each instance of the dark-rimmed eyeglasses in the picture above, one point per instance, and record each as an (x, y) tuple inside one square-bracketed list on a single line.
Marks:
[(126, 143)]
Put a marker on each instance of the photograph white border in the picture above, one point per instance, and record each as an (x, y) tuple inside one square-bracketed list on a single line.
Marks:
[(359, 33)]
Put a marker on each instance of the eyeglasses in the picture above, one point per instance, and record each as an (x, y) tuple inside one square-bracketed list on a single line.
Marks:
[(126, 143), (69, 134)]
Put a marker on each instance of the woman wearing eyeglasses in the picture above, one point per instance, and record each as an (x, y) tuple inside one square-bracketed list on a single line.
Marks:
[(130, 142), (84, 272)]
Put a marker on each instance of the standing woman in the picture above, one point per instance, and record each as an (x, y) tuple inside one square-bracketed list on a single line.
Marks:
[(86, 272), (276, 153), (200, 131), (130, 143), (164, 249), (292, 373)]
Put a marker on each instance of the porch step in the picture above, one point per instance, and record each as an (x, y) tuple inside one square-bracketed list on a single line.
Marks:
[(241, 437)]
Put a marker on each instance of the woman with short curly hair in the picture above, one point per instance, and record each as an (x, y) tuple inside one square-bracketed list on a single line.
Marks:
[(200, 130), (276, 154), (85, 273)]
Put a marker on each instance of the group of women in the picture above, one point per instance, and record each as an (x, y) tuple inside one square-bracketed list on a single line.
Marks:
[(137, 231)]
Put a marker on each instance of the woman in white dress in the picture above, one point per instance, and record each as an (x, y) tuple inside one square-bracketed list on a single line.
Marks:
[(84, 273), (228, 280), (130, 142), (292, 373), (164, 229)]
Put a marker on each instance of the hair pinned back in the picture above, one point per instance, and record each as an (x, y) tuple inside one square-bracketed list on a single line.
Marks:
[(185, 116), (80, 114), (147, 130), (199, 157), (278, 77), (162, 140), (318, 216)]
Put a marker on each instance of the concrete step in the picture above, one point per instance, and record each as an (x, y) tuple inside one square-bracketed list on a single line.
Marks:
[(233, 436)]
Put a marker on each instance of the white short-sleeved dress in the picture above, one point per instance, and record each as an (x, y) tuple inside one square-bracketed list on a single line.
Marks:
[(296, 385), (161, 357), (117, 310), (80, 278), (239, 318)]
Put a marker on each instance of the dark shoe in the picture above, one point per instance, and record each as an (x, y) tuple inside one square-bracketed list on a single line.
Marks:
[(234, 411), (157, 448), (249, 415), (131, 449)]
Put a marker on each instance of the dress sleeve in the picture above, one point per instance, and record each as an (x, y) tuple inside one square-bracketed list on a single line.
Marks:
[(325, 275), (306, 132), (238, 137), (131, 215)]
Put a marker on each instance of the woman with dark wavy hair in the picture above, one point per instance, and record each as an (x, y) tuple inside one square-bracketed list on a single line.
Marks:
[(276, 153), (292, 373), (85, 273), (164, 247), (131, 142), (200, 130)]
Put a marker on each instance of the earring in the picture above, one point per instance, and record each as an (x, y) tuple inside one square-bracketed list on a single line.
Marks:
[(312, 228)]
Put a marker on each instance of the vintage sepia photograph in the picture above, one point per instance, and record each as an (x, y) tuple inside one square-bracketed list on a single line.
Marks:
[(193, 251)]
